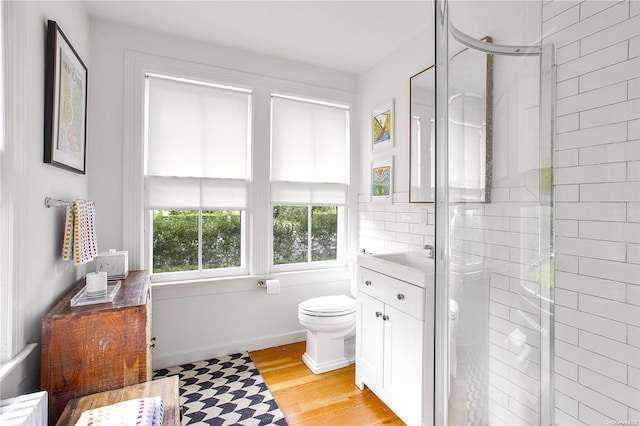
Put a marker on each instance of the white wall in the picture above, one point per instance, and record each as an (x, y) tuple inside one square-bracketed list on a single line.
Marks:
[(209, 318), (399, 226), (42, 275), (597, 212)]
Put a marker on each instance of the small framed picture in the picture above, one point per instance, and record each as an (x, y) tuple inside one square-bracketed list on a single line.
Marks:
[(382, 180), (382, 126), (65, 103)]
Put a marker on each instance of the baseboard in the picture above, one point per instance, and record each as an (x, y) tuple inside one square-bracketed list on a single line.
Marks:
[(179, 358)]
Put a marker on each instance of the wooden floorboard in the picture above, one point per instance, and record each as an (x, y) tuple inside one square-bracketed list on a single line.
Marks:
[(309, 399)]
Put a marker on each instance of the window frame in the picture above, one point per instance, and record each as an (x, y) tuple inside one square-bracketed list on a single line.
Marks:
[(258, 228), (343, 209), (341, 242), (200, 273), (241, 270)]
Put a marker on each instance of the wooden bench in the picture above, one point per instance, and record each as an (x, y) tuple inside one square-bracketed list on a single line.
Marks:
[(167, 388)]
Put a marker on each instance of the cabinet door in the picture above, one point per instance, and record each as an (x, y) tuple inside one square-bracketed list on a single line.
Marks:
[(370, 340), (403, 352)]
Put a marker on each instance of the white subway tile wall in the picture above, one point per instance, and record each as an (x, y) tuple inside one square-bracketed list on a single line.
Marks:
[(397, 226), (596, 219), (597, 189)]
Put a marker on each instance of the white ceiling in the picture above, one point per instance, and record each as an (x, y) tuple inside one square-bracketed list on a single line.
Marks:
[(349, 36)]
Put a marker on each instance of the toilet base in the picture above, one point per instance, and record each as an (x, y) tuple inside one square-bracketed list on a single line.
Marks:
[(319, 368), (325, 352)]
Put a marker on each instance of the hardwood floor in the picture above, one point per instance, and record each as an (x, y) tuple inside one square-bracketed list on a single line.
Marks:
[(330, 398)]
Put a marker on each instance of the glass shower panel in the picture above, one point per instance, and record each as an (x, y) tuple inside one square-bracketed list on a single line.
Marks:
[(497, 219)]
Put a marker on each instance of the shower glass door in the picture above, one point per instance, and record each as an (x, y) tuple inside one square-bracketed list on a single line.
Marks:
[(494, 162)]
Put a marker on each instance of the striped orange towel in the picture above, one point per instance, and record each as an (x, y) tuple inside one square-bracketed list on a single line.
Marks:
[(80, 243)]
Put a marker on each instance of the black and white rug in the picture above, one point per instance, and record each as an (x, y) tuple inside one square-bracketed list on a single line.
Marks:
[(227, 390)]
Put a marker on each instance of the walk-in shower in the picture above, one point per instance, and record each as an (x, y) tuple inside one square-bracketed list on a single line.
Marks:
[(494, 220)]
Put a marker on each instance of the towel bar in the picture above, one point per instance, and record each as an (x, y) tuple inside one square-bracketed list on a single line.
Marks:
[(52, 202)]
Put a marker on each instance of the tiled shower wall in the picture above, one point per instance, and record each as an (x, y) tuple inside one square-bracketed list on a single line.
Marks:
[(597, 228), (496, 262), (597, 211), (397, 226)]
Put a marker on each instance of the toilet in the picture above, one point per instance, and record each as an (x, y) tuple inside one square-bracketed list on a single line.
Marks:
[(330, 322)]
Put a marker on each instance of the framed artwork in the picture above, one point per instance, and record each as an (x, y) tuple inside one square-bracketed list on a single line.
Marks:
[(65, 106), (382, 126), (382, 180)]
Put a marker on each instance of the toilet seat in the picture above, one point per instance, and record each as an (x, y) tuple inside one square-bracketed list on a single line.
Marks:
[(328, 306)]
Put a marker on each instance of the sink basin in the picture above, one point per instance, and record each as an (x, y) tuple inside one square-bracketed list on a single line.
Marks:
[(413, 267)]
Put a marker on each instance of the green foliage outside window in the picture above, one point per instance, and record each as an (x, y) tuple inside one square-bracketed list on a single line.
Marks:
[(291, 234), (175, 240), (175, 237), (290, 226)]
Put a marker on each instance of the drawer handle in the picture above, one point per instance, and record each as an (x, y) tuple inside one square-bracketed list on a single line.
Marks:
[(385, 318), (378, 314), (367, 282), (400, 296)]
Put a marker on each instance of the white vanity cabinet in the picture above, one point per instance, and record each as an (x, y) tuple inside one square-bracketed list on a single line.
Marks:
[(392, 354)]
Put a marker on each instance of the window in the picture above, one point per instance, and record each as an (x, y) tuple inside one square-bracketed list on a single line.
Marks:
[(309, 177), (196, 176)]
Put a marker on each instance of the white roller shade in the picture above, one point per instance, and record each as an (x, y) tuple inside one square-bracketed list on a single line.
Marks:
[(317, 194), (174, 193), (309, 153), (197, 145)]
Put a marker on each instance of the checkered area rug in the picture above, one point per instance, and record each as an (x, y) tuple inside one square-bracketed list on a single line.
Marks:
[(227, 390)]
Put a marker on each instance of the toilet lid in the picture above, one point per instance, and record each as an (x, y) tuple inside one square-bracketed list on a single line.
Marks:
[(328, 305)]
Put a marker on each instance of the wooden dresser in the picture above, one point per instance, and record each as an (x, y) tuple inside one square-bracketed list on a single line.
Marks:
[(96, 348)]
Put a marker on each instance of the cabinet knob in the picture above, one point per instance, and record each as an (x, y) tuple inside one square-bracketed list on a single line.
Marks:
[(378, 314), (385, 318), (367, 282), (400, 296)]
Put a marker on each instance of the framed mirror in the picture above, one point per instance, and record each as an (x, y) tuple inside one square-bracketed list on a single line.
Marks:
[(422, 114), (470, 129)]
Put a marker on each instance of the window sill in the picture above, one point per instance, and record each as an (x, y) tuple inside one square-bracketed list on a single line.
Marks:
[(190, 288)]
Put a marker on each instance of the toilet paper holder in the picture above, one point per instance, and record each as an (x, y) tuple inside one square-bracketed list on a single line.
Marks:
[(272, 286)]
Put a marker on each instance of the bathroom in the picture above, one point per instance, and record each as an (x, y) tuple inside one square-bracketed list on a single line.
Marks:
[(595, 366)]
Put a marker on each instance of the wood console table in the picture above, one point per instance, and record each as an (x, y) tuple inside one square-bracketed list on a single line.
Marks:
[(167, 388), (96, 348)]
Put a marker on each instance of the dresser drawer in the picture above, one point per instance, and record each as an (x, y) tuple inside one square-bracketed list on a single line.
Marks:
[(399, 294)]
